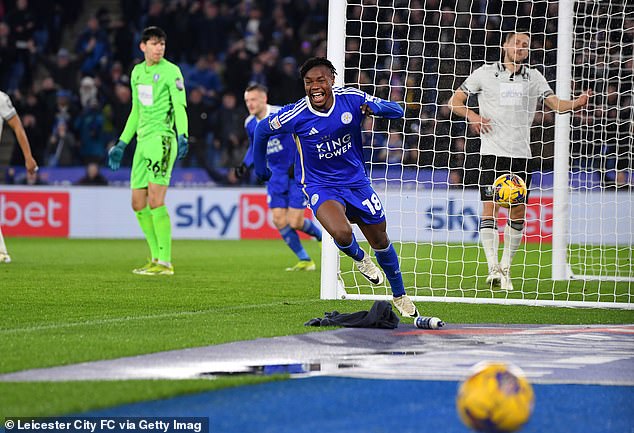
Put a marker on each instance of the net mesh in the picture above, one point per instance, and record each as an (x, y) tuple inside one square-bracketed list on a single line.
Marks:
[(425, 166)]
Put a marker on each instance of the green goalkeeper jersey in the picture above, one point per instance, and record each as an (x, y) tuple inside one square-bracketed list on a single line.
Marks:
[(158, 102)]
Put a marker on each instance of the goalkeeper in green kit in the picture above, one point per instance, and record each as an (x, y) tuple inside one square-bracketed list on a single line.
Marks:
[(158, 105)]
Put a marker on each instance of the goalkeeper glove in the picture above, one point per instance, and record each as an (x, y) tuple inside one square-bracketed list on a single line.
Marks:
[(183, 147), (115, 154), (241, 171)]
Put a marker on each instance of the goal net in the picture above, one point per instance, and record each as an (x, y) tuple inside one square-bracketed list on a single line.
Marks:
[(579, 231)]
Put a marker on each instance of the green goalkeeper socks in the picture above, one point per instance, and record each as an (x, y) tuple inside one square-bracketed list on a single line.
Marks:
[(163, 231), (146, 222)]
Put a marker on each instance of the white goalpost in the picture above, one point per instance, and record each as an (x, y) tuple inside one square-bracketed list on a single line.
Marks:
[(577, 246)]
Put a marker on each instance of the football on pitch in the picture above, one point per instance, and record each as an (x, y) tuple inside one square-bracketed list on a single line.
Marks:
[(496, 398), (508, 190)]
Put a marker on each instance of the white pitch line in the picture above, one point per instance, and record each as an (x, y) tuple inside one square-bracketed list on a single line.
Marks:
[(147, 317)]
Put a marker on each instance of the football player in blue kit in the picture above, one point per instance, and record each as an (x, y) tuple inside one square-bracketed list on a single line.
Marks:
[(285, 198), (326, 125)]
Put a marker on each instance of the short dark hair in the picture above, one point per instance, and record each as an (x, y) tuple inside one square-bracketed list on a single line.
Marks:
[(316, 61), (257, 86), (153, 32), (516, 32)]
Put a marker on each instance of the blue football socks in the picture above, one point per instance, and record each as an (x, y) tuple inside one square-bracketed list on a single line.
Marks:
[(353, 250), (311, 229), (292, 240), (388, 260)]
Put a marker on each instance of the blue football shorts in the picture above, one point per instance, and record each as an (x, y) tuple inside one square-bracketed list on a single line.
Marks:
[(362, 204), (283, 192)]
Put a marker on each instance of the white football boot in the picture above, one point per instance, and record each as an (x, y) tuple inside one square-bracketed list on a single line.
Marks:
[(369, 270), (495, 276), (405, 306), (506, 283)]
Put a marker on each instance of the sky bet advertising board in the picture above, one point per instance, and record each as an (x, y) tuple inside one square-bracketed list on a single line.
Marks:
[(242, 213)]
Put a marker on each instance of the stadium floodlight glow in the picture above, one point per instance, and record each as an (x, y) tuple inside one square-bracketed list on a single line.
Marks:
[(577, 247)]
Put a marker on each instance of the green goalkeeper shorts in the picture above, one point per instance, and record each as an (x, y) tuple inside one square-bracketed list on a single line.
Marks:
[(153, 162)]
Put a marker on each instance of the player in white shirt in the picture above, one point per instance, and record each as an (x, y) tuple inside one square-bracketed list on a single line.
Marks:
[(9, 115), (508, 92)]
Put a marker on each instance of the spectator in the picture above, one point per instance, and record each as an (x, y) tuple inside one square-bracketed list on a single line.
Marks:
[(206, 77), (200, 114), (106, 82), (116, 114), (93, 176), (123, 42), (286, 85), (258, 73), (94, 41), (9, 78), (62, 147), (282, 33), (212, 30), (47, 103), (238, 68), (29, 104), (21, 20), (156, 15), (37, 141), (63, 70), (89, 126), (65, 109), (229, 137)]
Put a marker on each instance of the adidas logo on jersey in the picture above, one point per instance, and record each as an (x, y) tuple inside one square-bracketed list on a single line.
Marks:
[(313, 131)]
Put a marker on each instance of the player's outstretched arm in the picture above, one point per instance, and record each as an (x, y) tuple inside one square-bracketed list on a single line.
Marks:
[(563, 106), (260, 139), (20, 134), (382, 108)]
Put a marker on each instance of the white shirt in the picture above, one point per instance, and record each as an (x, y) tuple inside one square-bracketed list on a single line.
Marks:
[(7, 111), (509, 100)]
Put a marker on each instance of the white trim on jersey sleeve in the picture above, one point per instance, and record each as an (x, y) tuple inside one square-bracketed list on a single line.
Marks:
[(293, 112), (349, 91), (473, 83), (539, 85)]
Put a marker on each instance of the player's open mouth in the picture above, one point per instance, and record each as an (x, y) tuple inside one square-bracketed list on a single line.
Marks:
[(318, 97)]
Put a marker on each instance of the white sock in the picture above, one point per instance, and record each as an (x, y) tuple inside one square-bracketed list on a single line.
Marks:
[(512, 241), (490, 242), (3, 247)]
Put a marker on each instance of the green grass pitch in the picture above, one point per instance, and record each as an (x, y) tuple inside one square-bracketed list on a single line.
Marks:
[(70, 301)]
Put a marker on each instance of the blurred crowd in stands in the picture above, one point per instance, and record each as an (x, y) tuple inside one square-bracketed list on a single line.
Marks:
[(67, 72)]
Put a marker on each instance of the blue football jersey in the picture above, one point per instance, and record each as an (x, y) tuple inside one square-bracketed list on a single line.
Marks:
[(280, 150), (329, 143)]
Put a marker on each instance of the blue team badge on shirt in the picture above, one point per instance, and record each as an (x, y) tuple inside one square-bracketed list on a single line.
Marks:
[(156, 77), (314, 199), (346, 117), (275, 123)]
